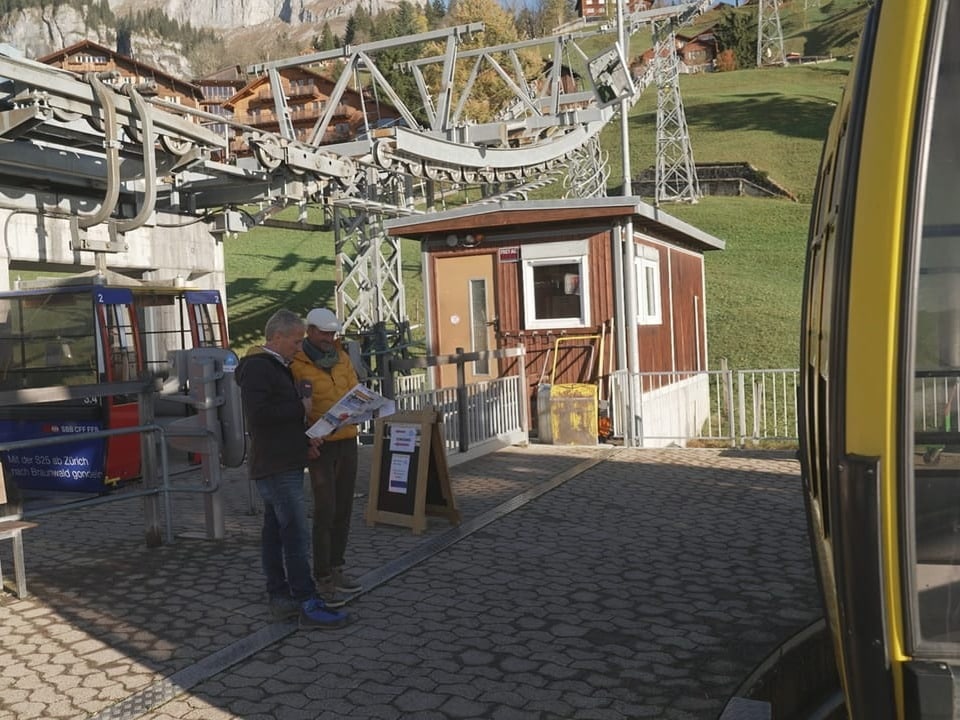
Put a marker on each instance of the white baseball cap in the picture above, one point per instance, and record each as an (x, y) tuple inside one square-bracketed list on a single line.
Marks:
[(323, 319)]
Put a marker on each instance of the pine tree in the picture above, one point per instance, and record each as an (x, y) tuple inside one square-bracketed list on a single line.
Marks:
[(350, 32), (405, 19), (734, 32), (326, 40)]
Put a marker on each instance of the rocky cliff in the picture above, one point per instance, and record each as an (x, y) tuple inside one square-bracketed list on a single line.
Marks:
[(251, 29)]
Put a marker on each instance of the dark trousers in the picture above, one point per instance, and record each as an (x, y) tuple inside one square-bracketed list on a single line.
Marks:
[(333, 477)]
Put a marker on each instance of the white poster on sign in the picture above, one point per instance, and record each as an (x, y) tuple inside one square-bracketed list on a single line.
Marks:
[(403, 438), (399, 467)]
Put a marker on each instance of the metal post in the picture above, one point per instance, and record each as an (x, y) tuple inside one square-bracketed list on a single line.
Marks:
[(146, 401), (462, 401), (742, 406), (203, 390), (629, 275), (523, 399)]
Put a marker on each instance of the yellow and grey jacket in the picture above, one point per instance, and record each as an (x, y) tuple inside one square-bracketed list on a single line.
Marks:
[(329, 385)]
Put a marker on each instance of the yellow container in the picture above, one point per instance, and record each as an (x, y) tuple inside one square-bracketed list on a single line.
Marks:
[(567, 414)]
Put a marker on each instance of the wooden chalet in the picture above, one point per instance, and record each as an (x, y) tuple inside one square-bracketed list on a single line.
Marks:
[(530, 273), (217, 89), (307, 94), (696, 53), (87, 56), (594, 9)]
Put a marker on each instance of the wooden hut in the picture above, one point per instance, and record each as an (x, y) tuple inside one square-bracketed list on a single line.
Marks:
[(544, 275)]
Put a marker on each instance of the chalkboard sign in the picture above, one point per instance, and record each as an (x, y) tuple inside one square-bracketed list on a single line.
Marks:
[(409, 477)]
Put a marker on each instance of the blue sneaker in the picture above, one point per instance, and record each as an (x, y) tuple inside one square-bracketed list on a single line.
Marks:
[(315, 614)]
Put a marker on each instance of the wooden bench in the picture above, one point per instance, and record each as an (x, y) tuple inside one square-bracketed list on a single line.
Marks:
[(10, 530)]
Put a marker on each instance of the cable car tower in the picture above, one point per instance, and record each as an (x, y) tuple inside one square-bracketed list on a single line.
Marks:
[(769, 34), (160, 157), (676, 172), (537, 137)]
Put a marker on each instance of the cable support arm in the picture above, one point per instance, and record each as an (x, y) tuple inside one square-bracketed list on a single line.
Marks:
[(149, 163), (456, 32), (68, 95), (112, 151)]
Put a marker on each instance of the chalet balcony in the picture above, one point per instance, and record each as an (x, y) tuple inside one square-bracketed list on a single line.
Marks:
[(259, 118), (294, 90), (303, 89)]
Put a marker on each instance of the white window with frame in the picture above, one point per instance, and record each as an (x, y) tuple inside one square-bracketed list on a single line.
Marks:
[(647, 263), (556, 287)]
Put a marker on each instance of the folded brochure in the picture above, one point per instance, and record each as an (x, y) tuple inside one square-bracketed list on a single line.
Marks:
[(358, 405)]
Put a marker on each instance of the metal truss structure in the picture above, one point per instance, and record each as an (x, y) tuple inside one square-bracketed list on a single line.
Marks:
[(121, 155), (676, 172), (536, 137), (769, 34)]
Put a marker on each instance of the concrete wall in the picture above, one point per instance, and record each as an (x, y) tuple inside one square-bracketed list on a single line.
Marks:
[(36, 235)]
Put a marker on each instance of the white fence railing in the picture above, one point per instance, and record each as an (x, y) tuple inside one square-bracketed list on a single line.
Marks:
[(733, 407), (717, 407), (726, 407), (935, 402), (494, 412)]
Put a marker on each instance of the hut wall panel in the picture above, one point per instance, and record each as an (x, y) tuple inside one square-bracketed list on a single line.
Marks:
[(689, 320)]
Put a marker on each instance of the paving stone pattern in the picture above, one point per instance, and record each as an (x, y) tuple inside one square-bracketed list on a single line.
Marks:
[(647, 585)]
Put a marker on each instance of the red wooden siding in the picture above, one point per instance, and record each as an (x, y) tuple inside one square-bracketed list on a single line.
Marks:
[(686, 274)]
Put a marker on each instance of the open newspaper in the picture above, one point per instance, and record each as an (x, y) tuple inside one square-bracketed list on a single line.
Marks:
[(358, 405)]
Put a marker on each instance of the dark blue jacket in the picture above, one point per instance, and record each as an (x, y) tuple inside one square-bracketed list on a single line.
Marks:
[(274, 415)]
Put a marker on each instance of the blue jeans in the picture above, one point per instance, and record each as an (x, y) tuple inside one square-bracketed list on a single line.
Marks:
[(285, 538)]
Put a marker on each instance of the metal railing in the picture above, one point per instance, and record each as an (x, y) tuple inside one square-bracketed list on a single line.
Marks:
[(715, 407), (154, 484), (477, 414), (493, 411)]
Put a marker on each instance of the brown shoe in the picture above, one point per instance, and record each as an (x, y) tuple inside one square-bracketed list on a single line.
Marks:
[(344, 583), (327, 591)]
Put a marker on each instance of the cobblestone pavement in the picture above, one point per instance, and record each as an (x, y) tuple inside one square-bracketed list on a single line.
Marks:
[(581, 583)]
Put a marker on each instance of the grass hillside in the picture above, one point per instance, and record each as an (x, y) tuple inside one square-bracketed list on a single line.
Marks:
[(268, 268), (774, 118)]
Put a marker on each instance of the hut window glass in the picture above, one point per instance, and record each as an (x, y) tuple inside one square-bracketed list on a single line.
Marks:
[(555, 293), (556, 287), (648, 287)]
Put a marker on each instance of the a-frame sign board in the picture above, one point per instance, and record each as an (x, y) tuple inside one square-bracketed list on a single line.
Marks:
[(409, 477)]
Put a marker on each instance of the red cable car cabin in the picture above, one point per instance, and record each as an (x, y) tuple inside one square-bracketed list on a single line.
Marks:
[(79, 335)]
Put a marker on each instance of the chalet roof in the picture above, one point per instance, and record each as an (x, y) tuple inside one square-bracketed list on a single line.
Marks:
[(520, 215), (142, 68)]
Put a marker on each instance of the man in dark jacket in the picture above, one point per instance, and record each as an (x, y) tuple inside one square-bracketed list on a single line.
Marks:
[(275, 410)]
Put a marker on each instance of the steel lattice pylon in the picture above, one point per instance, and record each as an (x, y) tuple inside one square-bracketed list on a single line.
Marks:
[(676, 173), (369, 268), (769, 34), (587, 171)]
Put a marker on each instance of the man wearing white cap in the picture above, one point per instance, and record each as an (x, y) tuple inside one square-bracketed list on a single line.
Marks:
[(323, 363)]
